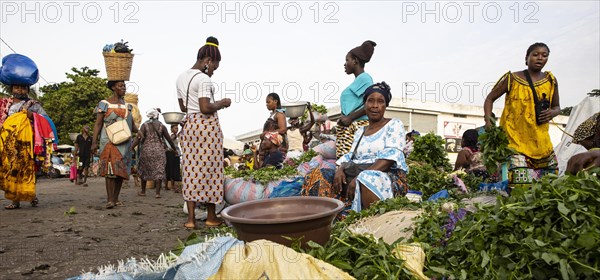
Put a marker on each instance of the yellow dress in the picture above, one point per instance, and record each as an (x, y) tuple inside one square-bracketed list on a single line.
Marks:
[(17, 170), (518, 117)]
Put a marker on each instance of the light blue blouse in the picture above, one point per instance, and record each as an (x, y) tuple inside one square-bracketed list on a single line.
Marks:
[(352, 97)]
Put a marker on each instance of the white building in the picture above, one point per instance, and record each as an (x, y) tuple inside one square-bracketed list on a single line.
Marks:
[(448, 120)]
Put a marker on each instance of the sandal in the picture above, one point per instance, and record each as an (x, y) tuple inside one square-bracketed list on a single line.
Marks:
[(157, 196), (141, 194), (213, 225), (35, 202), (187, 226), (110, 205), (12, 206), (120, 203)]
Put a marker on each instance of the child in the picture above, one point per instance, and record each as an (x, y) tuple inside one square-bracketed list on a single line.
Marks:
[(270, 147)]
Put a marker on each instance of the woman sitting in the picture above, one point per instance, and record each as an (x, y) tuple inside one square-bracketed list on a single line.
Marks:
[(272, 156), (470, 157), (375, 156)]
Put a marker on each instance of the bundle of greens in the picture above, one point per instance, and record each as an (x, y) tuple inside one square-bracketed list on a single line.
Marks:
[(263, 175), (430, 149), (321, 109), (494, 146)]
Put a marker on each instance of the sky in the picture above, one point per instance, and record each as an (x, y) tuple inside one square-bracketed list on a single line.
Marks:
[(449, 52)]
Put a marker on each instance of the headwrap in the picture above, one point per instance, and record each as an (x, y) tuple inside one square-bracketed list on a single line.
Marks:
[(152, 113), (382, 88), (365, 51), (586, 129), (274, 137)]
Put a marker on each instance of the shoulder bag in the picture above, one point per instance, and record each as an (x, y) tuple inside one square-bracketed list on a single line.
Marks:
[(119, 132), (351, 170), (540, 105)]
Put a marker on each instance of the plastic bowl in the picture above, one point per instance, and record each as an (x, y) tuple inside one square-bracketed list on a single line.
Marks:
[(305, 217), (73, 136), (294, 110), (173, 117)]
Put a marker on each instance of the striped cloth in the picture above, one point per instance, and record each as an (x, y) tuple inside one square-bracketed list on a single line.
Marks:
[(345, 137)]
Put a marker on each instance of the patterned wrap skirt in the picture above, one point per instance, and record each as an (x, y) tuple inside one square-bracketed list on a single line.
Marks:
[(523, 170), (202, 159), (345, 137)]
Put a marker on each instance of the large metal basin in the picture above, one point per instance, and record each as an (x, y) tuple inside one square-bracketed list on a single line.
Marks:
[(294, 110), (301, 216)]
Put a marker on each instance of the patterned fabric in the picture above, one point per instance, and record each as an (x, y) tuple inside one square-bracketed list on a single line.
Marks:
[(345, 137), (319, 183), (202, 159), (5, 103), (523, 170), (586, 129), (518, 117), (387, 143), (383, 184), (115, 160), (17, 170), (153, 159)]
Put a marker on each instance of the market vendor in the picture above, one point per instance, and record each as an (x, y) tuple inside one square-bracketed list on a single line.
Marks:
[(272, 154), (532, 100), (376, 157), (587, 134)]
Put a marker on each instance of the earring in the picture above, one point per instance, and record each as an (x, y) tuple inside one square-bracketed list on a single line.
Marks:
[(205, 68)]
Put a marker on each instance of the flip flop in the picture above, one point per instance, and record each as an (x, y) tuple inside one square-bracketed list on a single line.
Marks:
[(110, 205), (157, 196), (35, 202), (12, 206), (186, 226), (141, 194), (119, 203), (211, 225)]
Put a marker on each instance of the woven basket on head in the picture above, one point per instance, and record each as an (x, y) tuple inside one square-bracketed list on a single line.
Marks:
[(118, 65)]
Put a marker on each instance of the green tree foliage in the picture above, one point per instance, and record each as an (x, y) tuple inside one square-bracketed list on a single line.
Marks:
[(71, 104)]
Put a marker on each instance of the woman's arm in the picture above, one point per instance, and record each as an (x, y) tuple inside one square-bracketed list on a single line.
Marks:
[(165, 134), (281, 123), (347, 120), (499, 89), (139, 138), (547, 115), (462, 160), (181, 105), (97, 129), (207, 107)]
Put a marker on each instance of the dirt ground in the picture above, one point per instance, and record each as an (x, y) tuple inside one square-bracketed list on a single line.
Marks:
[(45, 243)]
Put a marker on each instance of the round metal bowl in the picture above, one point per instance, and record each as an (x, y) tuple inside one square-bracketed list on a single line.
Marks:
[(73, 136), (305, 217), (294, 110), (173, 117)]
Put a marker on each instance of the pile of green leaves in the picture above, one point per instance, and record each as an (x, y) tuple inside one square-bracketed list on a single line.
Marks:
[(263, 175), (494, 146), (360, 255), (549, 231), (321, 109), (429, 148), (426, 178), (305, 157)]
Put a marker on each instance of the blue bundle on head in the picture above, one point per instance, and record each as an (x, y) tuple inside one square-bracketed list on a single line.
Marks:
[(18, 69)]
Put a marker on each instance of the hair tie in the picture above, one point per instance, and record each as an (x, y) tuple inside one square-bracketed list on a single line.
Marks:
[(212, 44)]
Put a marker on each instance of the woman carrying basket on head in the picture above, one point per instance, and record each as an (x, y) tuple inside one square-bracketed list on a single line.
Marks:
[(201, 136), (115, 159)]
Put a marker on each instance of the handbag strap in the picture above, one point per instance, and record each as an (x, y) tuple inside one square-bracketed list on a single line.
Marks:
[(187, 94), (356, 147), (157, 134), (528, 77)]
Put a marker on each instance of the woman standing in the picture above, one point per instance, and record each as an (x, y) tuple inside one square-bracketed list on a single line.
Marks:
[(174, 161), (83, 145), (276, 121), (531, 102), (201, 136), (115, 159), (153, 157), (351, 99)]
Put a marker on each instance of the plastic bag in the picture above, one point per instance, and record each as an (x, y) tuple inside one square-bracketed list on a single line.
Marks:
[(18, 69)]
